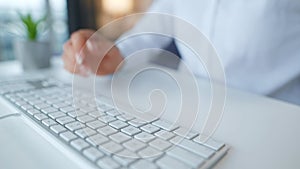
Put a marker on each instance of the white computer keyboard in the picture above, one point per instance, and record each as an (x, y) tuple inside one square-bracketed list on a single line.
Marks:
[(106, 137)]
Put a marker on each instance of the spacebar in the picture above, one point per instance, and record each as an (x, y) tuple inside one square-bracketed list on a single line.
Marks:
[(196, 148)]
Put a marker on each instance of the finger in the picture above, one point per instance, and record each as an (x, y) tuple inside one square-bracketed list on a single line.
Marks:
[(110, 63), (107, 66), (86, 32), (69, 54), (78, 41), (66, 45), (69, 67), (75, 69)]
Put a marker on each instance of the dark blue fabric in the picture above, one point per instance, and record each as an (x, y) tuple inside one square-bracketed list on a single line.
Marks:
[(173, 48), (167, 59)]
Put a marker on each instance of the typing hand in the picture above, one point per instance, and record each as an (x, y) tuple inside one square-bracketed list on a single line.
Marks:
[(88, 52)]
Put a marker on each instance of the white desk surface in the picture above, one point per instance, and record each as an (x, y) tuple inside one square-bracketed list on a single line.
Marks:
[(262, 132)]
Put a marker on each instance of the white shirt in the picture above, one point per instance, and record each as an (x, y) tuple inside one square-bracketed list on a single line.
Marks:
[(258, 41)]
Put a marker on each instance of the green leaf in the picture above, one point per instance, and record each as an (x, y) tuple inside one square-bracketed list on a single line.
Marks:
[(31, 25)]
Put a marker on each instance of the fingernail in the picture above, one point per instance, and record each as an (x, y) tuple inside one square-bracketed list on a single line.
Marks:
[(79, 59), (89, 45)]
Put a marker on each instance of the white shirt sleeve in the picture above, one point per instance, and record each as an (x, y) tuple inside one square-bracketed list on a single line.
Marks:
[(140, 36)]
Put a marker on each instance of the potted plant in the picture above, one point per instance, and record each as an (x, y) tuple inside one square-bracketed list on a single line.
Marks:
[(32, 52)]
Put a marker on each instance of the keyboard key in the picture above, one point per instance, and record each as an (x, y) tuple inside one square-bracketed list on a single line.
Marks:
[(160, 144), (134, 145), (127, 155), (53, 100), (64, 120), (144, 137), (123, 160), (186, 133), (150, 128), (87, 109), (97, 139), (104, 108), (12, 97), (95, 124), (67, 136), (108, 163), (166, 135), (166, 125), (130, 130), (57, 129), (67, 109), (60, 105), (42, 105), (20, 103), (168, 162), (33, 111), (85, 118), (118, 124), (76, 113), (196, 148), (176, 140), (96, 114), (125, 117), (111, 147), (149, 152), (40, 116), (30, 98), (49, 110), (119, 137), (15, 98), (92, 104), (113, 112), (107, 130), (26, 107), (79, 144), (187, 157), (74, 125), (34, 102), (49, 122), (56, 115), (143, 164), (92, 153), (154, 158), (211, 143), (107, 118), (137, 122), (85, 132)]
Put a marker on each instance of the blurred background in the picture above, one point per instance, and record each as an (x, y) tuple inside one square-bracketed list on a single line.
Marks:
[(63, 18)]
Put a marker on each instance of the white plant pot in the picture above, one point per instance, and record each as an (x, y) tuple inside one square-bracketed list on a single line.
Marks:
[(33, 55)]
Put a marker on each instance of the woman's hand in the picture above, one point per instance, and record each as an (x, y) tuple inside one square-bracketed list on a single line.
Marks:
[(87, 51)]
